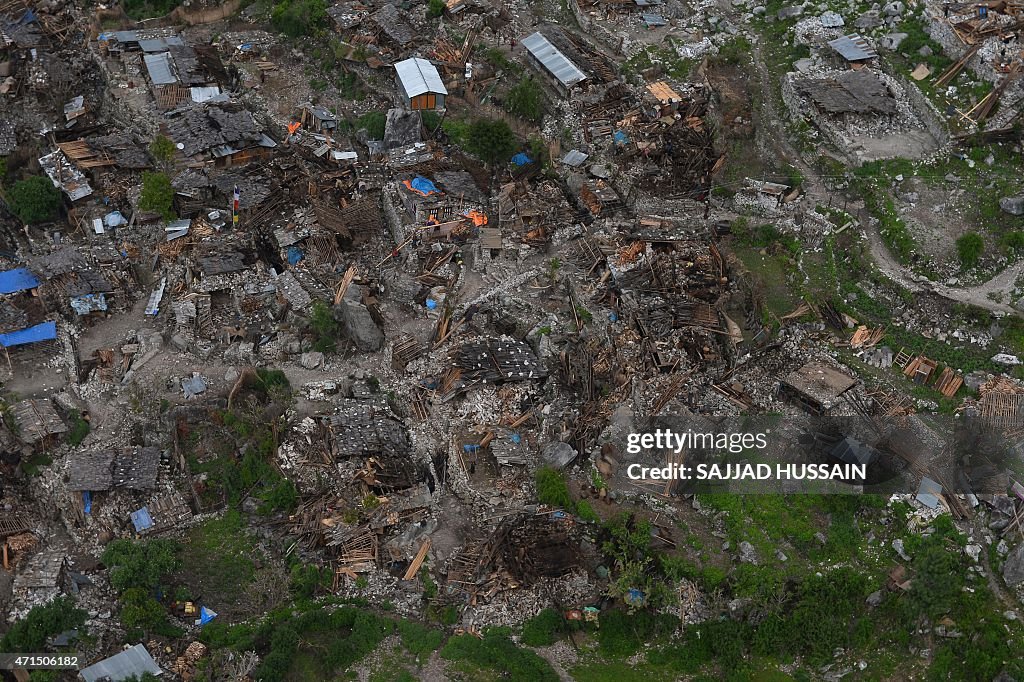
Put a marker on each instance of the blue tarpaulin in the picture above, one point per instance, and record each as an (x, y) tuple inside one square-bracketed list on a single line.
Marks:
[(18, 279), (142, 520), (294, 255), (424, 186), (620, 137), (206, 615), (87, 501), (431, 304), (47, 331), (521, 159)]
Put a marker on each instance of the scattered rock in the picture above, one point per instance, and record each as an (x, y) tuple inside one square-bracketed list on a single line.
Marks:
[(789, 12), (892, 41), (359, 326), (925, 51), (973, 551), (874, 599), (897, 545), (832, 20), (894, 9), (748, 554)]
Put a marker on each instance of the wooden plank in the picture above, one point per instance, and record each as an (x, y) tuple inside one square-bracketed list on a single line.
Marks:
[(414, 567)]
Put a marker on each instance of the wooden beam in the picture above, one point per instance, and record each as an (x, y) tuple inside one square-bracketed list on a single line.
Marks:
[(414, 567)]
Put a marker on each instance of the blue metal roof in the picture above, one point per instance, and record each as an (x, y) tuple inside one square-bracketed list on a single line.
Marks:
[(18, 279), (46, 331)]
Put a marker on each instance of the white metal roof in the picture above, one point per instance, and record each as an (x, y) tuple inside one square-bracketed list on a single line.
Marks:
[(567, 73), (159, 67), (419, 76)]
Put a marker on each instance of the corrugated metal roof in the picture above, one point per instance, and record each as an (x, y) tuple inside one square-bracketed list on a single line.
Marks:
[(853, 48), (419, 76), (567, 73), (160, 44), (205, 93), (160, 70), (134, 661)]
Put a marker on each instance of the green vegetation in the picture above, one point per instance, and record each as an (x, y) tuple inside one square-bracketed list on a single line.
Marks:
[(325, 328), (490, 140), (138, 570), (495, 651), (374, 122), (655, 55), (162, 150), (29, 634), (436, 8), (969, 248), (79, 429), (34, 200), (526, 100), (737, 51), (147, 9), (419, 640), (552, 489), (157, 195), (221, 557), (297, 18), (544, 629)]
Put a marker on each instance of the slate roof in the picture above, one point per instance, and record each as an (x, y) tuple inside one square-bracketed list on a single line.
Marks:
[(132, 469), (204, 129)]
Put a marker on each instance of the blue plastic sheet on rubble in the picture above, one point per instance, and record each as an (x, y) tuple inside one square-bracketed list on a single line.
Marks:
[(621, 137), (431, 304), (521, 159), (634, 597), (18, 279), (613, 317), (295, 255), (470, 448), (87, 501), (424, 186), (516, 438), (29, 17), (142, 520), (206, 615), (46, 331), (113, 219)]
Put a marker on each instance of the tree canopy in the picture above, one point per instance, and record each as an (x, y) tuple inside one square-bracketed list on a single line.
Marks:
[(493, 141), (34, 200), (526, 100), (157, 195), (141, 565)]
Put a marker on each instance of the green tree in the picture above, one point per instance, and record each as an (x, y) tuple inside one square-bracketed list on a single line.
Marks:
[(324, 327), (157, 195), (30, 633), (969, 247), (297, 18), (140, 610), (141, 565), (526, 100), (492, 141), (34, 200), (162, 149), (436, 8)]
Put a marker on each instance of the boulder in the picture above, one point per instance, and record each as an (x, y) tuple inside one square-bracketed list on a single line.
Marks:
[(312, 360), (892, 41), (1012, 205), (359, 326), (558, 455), (789, 12), (894, 8), (832, 19), (1013, 567)]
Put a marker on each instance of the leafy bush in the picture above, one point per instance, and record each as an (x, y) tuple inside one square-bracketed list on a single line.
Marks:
[(375, 123), (79, 429), (34, 200), (969, 248), (526, 100), (436, 8), (157, 195), (30, 633), (497, 652), (326, 329), (552, 488), (419, 640), (297, 18), (162, 149), (147, 9), (622, 634), (490, 140), (543, 629), (142, 565)]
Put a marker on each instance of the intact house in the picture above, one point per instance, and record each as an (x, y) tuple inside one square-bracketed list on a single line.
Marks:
[(419, 84)]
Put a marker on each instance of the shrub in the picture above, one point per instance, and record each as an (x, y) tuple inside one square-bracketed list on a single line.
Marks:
[(297, 18), (492, 141), (325, 328), (552, 488), (419, 640), (157, 195), (141, 565), (543, 629), (436, 8), (162, 149), (79, 429), (969, 248), (526, 100), (497, 652), (30, 633), (375, 123), (34, 200)]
